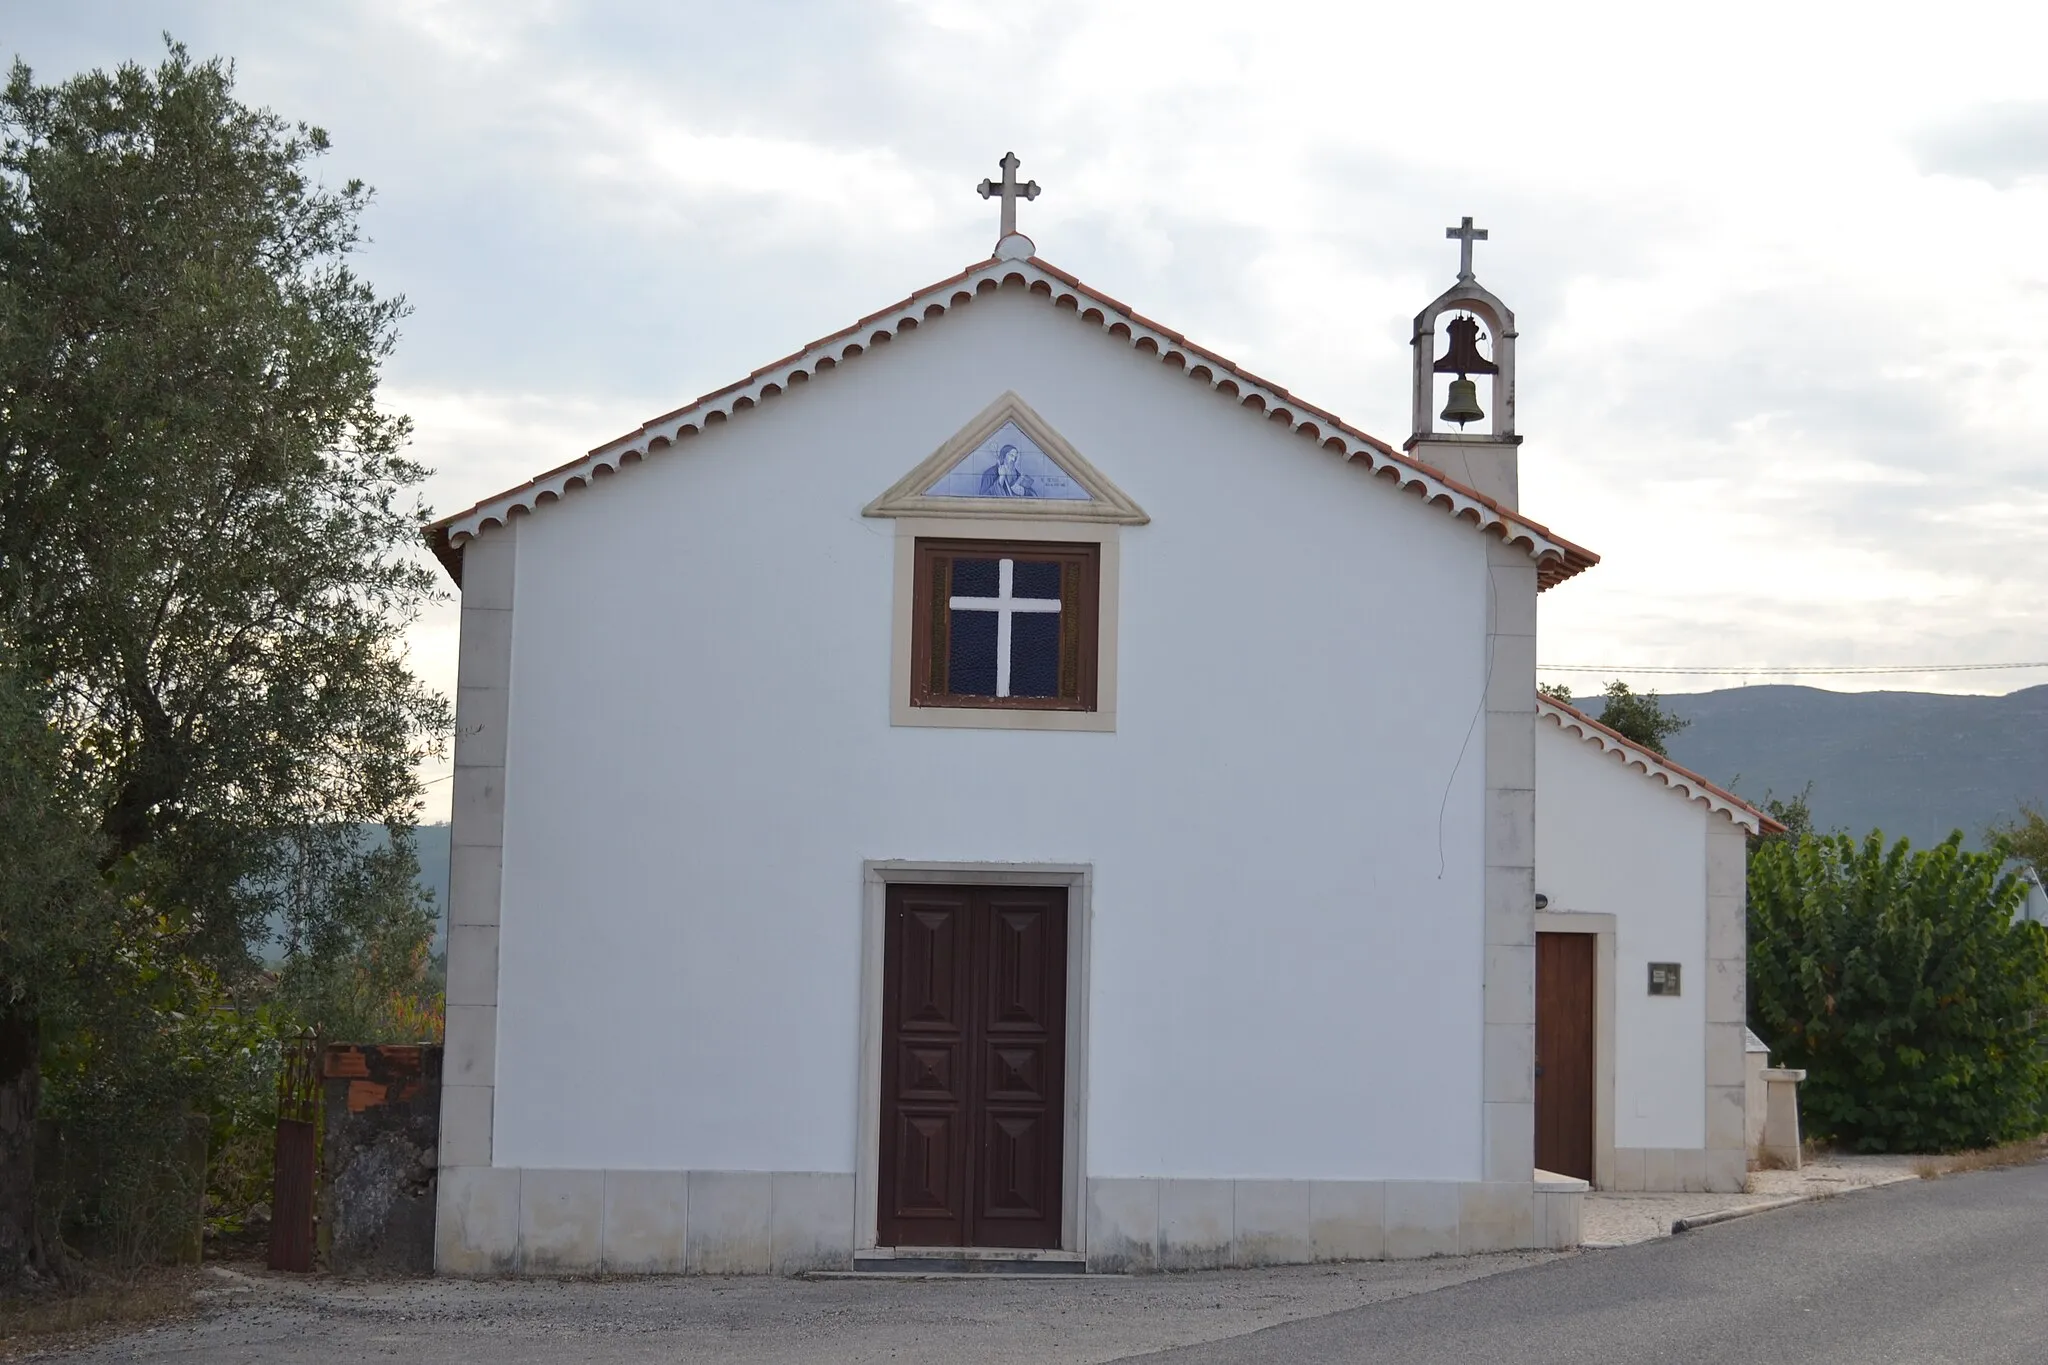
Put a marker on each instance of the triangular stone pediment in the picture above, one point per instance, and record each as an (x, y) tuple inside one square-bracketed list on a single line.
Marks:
[(1007, 463)]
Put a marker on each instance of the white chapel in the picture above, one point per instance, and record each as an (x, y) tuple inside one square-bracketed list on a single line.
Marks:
[(1005, 788)]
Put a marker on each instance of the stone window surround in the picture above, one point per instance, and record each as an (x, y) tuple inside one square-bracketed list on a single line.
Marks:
[(876, 878), (1103, 535)]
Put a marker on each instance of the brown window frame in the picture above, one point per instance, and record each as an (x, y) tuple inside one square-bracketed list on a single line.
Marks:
[(929, 618)]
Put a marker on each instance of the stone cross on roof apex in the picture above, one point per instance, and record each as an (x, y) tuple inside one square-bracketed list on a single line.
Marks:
[(1010, 191), (1465, 234)]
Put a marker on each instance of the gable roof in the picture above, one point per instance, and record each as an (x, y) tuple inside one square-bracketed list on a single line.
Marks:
[(1689, 783), (1556, 558)]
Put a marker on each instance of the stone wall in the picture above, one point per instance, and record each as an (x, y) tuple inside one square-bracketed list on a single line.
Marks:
[(379, 1158)]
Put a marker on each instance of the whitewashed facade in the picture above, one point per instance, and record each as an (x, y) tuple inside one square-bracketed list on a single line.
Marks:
[(1298, 835)]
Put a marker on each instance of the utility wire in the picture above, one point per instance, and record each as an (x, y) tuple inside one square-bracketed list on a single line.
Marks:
[(1777, 671)]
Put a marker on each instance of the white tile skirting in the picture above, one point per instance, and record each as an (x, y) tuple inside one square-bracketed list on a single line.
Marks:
[(1679, 1170), (1142, 1224), (498, 1220)]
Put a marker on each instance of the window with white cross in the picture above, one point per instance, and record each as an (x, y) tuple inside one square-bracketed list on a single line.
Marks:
[(1005, 624)]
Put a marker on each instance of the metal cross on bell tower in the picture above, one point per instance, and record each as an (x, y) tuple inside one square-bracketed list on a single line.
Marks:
[(1465, 235), (1010, 191)]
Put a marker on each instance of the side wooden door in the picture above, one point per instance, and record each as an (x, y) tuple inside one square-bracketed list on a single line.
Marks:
[(1564, 1053), (974, 1000)]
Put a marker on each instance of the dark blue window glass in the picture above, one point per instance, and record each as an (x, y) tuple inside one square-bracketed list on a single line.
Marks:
[(1035, 653), (974, 578), (1036, 579), (971, 649)]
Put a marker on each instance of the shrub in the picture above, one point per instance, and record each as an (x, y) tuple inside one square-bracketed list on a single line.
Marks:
[(1903, 984)]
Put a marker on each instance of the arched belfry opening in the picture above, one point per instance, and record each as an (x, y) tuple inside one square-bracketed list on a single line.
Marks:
[(1464, 357)]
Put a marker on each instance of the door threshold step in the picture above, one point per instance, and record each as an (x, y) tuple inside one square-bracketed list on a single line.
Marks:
[(954, 1261), (1010, 1272)]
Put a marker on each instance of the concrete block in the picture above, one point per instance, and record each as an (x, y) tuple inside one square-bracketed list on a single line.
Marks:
[(1510, 750), (477, 806), (1271, 1223), (466, 1125), (1727, 1119), (1628, 1170), (484, 656), (561, 1221), (1510, 985), (471, 1057), (1691, 1164), (1123, 1225), (1660, 1170), (1512, 687), (1510, 1140), (482, 715), (1511, 907), (1727, 992), (812, 1223), (487, 568), (1727, 929), (472, 964), (1726, 1060), (1509, 1073), (645, 1213), (729, 1226), (1347, 1219), (1514, 597), (1197, 1220), (475, 880), (476, 1220), (1495, 1216), (1511, 830), (1727, 860), (1422, 1218), (1727, 1172), (1559, 1218)]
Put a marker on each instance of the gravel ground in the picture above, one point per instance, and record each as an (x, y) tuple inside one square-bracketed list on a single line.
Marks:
[(254, 1317), (1613, 1220)]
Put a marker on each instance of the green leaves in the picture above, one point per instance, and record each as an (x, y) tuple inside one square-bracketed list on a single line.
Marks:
[(1640, 716), (1901, 981), (208, 537), (209, 554)]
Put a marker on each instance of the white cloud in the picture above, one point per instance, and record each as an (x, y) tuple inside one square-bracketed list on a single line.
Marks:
[(1780, 297)]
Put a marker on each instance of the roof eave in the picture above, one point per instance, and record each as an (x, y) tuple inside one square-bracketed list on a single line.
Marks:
[(1557, 559), (1651, 764)]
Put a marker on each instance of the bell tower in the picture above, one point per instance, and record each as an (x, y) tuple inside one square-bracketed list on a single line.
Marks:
[(1473, 443)]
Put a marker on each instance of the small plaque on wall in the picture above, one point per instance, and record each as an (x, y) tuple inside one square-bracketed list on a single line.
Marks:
[(1663, 978)]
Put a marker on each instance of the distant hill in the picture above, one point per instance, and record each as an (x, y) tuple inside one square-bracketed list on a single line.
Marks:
[(432, 843), (1917, 764)]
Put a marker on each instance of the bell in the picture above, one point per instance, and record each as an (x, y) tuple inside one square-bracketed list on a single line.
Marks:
[(1463, 406), (1461, 356)]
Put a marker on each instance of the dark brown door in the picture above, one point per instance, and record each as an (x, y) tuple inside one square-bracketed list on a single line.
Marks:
[(974, 1012), (1564, 1053)]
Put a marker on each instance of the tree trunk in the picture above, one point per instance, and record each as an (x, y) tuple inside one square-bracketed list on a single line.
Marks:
[(20, 1093)]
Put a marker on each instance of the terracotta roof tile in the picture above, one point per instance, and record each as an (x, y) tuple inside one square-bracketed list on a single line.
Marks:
[(1651, 764)]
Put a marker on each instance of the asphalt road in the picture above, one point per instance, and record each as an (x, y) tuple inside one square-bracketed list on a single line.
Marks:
[(1954, 1270)]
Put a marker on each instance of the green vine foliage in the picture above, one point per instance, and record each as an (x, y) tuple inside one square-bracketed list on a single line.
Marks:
[(1903, 984)]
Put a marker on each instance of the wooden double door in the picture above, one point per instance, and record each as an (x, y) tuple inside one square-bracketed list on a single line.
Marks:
[(974, 1001), (1565, 981)]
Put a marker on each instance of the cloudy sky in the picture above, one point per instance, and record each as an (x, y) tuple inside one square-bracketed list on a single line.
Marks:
[(1781, 270)]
